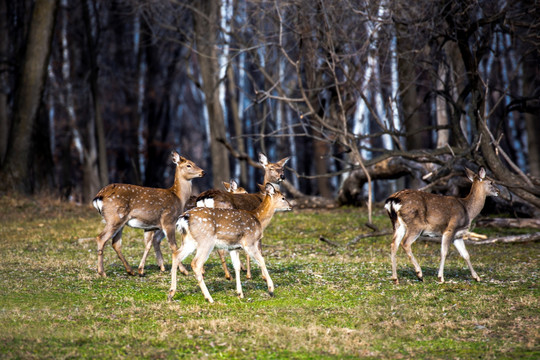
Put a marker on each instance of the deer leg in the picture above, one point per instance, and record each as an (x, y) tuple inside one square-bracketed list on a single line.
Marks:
[(399, 233), (203, 251), (224, 263), (117, 246), (255, 252), (235, 257), (460, 246), (188, 246), (248, 267), (101, 240), (169, 231), (148, 235), (156, 242), (448, 235), (407, 246), (110, 230)]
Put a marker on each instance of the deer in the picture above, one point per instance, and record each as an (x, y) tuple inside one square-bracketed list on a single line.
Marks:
[(414, 212), (154, 210), (233, 188), (273, 173), (203, 229)]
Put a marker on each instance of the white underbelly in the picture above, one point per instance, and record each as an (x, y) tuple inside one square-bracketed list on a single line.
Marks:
[(136, 223), (220, 244)]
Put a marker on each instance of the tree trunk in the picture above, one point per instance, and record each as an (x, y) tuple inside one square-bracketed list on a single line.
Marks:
[(98, 119), (16, 168), (206, 17), (408, 94), (4, 81), (531, 88), (238, 131), (443, 136)]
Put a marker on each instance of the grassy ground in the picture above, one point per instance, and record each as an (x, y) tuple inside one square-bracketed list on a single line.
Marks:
[(330, 302)]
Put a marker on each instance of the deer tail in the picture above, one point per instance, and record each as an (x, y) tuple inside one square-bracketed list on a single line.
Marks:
[(392, 206)]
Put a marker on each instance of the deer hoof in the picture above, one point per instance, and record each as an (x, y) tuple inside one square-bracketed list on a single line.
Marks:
[(396, 281), (170, 296), (271, 293), (441, 280)]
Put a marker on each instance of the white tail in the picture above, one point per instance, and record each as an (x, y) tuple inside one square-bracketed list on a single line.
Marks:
[(230, 229), (414, 212), (274, 173), (151, 209)]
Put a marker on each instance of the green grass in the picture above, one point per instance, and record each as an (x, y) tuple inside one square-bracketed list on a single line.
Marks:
[(329, 301)]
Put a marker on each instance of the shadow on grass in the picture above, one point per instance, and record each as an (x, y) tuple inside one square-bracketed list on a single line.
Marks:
[(451, 273)]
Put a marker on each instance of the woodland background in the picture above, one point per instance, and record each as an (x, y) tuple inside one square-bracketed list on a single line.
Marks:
[(358, 93)]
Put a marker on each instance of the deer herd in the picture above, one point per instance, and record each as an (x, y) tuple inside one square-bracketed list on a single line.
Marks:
[(233, 219)]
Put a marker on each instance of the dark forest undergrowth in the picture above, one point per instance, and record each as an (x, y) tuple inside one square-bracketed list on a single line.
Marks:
[(329, 301)]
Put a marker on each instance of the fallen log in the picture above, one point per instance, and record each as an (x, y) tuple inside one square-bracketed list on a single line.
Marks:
[(509, 223), (523, 238)]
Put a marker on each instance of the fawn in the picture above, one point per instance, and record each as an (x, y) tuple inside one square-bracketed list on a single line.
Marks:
[(151, 209), (230, 229), (414, 212)]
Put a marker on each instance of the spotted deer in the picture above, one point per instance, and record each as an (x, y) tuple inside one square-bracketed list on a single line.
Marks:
[(230, 229), (151, 209), (414, 212), (274, 173)]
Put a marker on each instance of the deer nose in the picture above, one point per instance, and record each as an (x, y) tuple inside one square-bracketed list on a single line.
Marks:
[(203, 173)]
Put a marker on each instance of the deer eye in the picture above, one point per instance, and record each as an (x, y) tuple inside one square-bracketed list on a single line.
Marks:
[(188, 165)]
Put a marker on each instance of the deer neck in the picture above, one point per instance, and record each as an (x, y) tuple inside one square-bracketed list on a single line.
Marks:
[(265, 211), (274, 184), (181, 187), (474, 202)]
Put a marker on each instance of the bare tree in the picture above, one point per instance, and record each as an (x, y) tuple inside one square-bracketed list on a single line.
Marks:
[(16, 166), (205, 17)]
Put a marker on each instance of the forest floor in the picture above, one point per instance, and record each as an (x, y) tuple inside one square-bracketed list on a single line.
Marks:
[(330, 302)]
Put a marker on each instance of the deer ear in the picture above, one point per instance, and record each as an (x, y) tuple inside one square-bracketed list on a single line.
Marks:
[(283, 161), (262, 188), (482, 173), (270, 190), (226, 185), (263, 160), (175, 157), (470, 174), (234, 185)]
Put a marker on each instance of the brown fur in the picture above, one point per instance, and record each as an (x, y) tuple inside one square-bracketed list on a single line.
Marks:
[(152, 209), (230, 229), (414, 212)]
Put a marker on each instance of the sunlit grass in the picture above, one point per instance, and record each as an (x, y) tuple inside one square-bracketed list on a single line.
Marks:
[(330, 301)]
